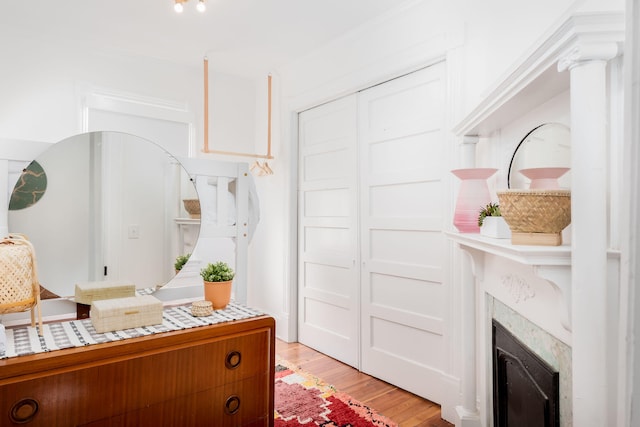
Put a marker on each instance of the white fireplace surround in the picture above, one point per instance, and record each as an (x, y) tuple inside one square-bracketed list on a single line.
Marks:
[(569, 291)]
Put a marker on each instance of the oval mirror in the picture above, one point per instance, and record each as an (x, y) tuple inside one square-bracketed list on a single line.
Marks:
[(545, 149), (110, 212)]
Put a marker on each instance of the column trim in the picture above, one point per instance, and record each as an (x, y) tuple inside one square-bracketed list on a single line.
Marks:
[(582, 53)]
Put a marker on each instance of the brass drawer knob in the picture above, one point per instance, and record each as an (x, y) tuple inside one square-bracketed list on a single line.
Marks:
[(23, 411), (233, 359), (232, 405)]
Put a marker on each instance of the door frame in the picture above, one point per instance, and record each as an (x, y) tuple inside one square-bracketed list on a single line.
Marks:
[(449, 49), (115, 101)]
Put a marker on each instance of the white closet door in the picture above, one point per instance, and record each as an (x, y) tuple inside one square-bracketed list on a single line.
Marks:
[(327, 235), (402, 145)]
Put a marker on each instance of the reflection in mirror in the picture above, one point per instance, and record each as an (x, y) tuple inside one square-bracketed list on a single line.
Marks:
[(109, 212), (30, 187), (546, 146)]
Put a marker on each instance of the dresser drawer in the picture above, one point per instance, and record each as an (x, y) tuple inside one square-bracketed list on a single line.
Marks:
[(236, 358), (245, 403)]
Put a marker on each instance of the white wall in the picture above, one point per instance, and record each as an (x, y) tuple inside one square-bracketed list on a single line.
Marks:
[(496, 34), (43, 86), (629, 370)]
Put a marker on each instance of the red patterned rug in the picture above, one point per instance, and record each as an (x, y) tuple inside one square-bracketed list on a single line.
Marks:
[(304, 400)]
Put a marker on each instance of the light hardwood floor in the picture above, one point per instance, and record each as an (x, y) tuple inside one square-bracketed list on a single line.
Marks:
[(406, 409)]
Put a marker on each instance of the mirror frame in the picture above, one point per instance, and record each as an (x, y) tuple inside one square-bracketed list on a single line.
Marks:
[(515, 152)]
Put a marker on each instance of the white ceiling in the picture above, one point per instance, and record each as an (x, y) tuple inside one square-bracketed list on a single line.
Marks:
[(238, 36)]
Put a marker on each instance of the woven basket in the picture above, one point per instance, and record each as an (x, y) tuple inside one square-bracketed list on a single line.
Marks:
[(192, 206), (536, 216), (19, 287)]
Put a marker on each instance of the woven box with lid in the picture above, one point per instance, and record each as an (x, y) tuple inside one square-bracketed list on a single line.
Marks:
[(125, 313), (88, 292)]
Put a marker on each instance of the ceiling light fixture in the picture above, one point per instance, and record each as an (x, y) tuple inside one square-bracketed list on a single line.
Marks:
[(178, 6)]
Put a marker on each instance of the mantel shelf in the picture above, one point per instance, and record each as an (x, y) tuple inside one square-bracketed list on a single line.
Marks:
[(528, 255)]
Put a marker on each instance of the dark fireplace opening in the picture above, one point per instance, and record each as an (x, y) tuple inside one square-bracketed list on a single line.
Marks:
[(526, 390)]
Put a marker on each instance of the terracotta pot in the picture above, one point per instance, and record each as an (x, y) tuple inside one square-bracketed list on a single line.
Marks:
[(219, 293)]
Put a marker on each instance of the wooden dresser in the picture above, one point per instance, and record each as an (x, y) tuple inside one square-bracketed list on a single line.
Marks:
[(218, 375)]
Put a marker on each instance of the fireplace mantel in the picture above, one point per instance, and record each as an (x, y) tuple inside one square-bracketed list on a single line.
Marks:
[(580, 57)]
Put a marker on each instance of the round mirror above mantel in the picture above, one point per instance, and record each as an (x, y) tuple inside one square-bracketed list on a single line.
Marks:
[(542, 158), (108, 212)]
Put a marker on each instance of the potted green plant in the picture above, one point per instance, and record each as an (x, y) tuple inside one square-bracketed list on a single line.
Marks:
[(218, 279), (181, 260), (491, 222)]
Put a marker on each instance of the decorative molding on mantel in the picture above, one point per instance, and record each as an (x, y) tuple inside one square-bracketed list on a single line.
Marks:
[(586, 52), (550, 263), (519, 289), (560, 279), (536, 79)]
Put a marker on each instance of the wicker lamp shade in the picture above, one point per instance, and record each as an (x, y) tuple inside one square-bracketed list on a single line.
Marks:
[(19, 287)]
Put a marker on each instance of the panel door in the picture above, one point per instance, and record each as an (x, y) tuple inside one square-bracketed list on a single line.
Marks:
[(402, 146), (327, 230)]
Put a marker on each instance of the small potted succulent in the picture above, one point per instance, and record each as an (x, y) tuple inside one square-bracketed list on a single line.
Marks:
[(491, 222), (218, 279), (181, 260)]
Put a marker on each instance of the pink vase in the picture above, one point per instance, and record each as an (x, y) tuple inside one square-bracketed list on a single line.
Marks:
[(472, 196), (544, 178)]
